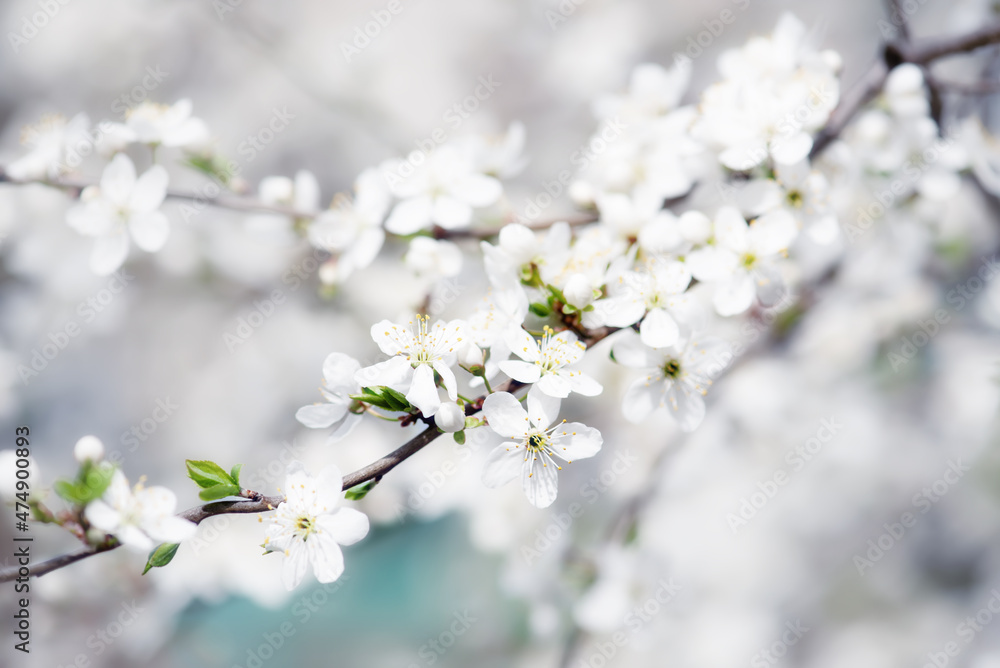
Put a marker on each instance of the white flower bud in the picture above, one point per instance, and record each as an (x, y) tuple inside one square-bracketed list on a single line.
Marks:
[(578, 291), (470, 355), (89, 448), (450, 417)]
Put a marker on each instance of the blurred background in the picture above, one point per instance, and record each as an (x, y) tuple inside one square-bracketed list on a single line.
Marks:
[(454, 573)]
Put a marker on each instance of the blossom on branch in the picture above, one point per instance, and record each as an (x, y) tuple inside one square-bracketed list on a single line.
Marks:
[(310, 525)]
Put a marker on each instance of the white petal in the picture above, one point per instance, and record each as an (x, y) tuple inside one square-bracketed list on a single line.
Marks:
[(149, 230), (150, 190), (320, 416), (480, 190), (658, 329), (451, 213), (542, 409), (346, 526), (395, 372), (735, 295), (447, 378), (295, 566), (117, 180), (521, 343), (686, 406), (576, 441), (171, 529), (642, 398), (791, 149), (505, 415), (540, 482), (503, 464), (630, 351), (582, 383), (409, 216), (554, 385), (423, 393), (109, 253), (90, 220), (326, 558), (102, 516), (338, 373), (524, 372)]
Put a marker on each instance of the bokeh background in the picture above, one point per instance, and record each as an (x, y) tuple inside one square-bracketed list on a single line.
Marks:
[(455, 555)]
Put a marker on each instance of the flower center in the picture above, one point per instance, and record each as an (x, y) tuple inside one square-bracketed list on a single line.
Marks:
[(304, 526), (749, 260), (537, 442), (794, 198), (672, 369)]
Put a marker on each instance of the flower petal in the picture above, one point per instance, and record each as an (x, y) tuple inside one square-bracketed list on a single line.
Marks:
[(574, 440), (320, 416), (346, 526), (505, 415), (658, 329), (523, 372), (542, 408), (423, 393), (540, 481), (149, 230), (503, 464), (109, 253)]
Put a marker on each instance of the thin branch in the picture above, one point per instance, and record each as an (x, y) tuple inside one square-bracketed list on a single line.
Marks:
[(850, 104), (942, 47)]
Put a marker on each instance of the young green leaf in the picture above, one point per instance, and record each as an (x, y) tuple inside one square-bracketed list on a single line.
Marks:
[(207, 474), (161, 556), (234, 475), (219, 492), (359, 491)]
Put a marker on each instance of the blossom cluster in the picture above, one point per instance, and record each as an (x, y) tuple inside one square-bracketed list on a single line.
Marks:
[(698, 214)]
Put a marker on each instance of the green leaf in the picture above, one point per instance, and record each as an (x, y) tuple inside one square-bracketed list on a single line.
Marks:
[(219, 492), (90, 484), (95, 481), (161, 556), (459, 437), (540, 309), (207, 474), (359, 491), (235, 474), (392, 396), (67, 490)]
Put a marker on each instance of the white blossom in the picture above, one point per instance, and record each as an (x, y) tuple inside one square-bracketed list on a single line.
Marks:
[(418, 351), (310, 525), (122, 206), (534, 446), (339, 383), (139, 518)]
